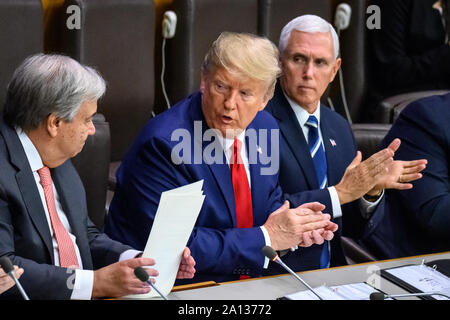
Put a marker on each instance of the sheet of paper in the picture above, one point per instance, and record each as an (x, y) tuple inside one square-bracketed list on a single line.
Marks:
[(423, 278), (353, 291), (175, 218)]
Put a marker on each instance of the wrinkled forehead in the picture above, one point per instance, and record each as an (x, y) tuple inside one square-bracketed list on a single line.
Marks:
[(317, 44)]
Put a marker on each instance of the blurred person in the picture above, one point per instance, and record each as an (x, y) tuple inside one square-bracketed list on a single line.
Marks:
[(411, 50), (417, 221)]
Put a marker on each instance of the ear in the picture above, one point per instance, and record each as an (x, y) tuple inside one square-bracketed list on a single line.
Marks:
[(52, 125), (264, 104), (202, 83), (336, 67)]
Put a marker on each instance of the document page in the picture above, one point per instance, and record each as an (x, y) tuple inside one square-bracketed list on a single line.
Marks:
[(423, 278), (175, 218), (353, 291)]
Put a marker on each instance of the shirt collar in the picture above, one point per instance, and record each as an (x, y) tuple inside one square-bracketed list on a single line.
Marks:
[(301, 114), (227, 143), (34, 159)]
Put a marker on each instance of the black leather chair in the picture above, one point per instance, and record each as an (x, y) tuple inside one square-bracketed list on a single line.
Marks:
[(117, 37), (392, 106), (92, 165), (353, 50), (274, 14), (368, 138), (21, 33), (199, 23), (357, 70)]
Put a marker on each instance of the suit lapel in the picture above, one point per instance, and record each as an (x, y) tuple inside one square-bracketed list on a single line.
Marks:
[(294, 136), (329, 138), (222, 174), (27, 185), (220, 171)]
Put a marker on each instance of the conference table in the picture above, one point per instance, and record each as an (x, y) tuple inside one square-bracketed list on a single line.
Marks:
[(274, 287)]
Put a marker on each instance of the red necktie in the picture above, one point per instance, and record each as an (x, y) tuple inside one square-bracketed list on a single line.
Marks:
[(67, 254), (242, 194)]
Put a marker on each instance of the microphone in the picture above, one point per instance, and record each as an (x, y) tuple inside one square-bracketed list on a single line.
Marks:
[(8, 267), (270, 253), (142, 275), (382, 296)]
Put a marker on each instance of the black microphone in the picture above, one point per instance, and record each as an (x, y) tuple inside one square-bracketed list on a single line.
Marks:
[(382, 296), (270, 253), (142, 275), (8, 267)]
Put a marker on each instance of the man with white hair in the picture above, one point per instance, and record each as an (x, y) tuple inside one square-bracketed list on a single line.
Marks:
[(44, 226), (319, 160)]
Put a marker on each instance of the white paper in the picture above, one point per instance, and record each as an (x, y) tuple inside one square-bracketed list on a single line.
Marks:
[(423, 278), (175, 218), (353, 291)]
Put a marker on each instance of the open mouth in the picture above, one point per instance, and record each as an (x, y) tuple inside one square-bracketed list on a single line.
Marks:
[(226, 119)]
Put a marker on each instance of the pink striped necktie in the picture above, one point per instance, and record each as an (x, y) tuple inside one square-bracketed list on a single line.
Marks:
[(67, 254)]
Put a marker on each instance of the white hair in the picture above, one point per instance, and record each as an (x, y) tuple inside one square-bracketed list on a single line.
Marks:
[(308, 23), (49, 83)]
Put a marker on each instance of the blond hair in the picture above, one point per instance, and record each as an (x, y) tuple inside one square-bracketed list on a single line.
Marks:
[(245, 54)]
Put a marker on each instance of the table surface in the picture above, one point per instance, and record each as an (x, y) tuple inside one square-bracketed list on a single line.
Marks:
[(270, 288)]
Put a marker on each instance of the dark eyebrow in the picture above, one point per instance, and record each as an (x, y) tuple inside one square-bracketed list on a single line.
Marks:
[(299, 55)]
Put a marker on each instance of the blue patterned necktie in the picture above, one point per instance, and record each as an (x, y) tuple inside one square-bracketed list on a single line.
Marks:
[(317, 152)]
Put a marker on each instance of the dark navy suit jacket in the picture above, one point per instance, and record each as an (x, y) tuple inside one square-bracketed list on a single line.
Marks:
[(417, 221), (24, 231), (221, 250), (298, 178)]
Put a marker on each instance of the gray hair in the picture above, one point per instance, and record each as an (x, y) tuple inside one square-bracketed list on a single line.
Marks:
[(308, 23), (47, 84)]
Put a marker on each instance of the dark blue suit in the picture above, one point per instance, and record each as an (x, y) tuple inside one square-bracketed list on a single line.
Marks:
[(24, 231), (221, 250), (298, 178), (417, 221)]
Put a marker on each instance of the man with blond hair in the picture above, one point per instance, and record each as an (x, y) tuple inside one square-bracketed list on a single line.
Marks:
[(220, 135)]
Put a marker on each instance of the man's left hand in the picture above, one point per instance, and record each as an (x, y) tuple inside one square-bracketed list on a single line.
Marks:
[(186, 270)]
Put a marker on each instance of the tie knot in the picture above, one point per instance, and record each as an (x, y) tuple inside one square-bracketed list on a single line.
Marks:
[(46, 177), (312, 122), (237, 145)]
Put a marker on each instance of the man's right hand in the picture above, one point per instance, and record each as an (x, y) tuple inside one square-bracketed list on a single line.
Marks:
[(118, 279), (304, 226), (361, 176)]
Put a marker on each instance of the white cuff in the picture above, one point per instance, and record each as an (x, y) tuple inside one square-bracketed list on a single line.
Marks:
[(268, 243), (129, 254), (335, 204), (83, 285)]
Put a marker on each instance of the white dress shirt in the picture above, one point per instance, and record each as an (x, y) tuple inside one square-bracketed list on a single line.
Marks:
[(84, 279)]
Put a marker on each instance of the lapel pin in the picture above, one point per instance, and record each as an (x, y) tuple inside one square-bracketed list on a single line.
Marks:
[(333, 143)]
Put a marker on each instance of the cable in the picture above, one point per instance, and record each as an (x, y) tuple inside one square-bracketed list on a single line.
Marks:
[(162, 73), (341, 86)]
